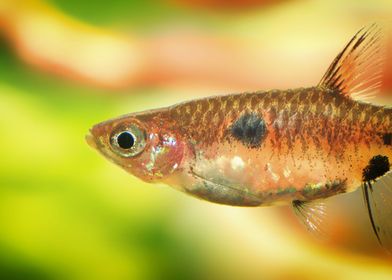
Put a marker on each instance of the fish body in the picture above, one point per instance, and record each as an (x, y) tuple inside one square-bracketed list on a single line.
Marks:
[(269, 147), (316, 143)]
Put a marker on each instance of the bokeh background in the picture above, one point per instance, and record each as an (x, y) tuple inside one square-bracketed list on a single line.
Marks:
[(67, 213)]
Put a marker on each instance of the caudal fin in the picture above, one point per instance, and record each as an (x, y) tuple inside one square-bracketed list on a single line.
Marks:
[(357, 71)]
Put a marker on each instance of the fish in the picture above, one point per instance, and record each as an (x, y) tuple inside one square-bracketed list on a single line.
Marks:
[(294, 147)]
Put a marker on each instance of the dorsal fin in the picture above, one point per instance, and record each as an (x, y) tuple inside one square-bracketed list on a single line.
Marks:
[(357, 71)]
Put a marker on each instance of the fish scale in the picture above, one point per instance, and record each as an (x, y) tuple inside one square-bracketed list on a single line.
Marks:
[(300, 107)]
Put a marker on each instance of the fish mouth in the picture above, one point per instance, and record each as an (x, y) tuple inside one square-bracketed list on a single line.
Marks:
[(90, 139)]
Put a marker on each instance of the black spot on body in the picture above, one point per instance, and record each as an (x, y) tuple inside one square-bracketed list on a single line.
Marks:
[(250, 129), (387, 137), (378, 166)]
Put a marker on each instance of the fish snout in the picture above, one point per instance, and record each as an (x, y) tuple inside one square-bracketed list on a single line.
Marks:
[(90, 139)]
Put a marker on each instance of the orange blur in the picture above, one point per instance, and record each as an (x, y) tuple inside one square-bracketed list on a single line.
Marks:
[(57, 43)]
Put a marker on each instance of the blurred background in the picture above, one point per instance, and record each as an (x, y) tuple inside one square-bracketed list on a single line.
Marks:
[(67, 213)]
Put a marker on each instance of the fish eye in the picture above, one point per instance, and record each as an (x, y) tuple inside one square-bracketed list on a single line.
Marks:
[(125, 140), (128, 141)]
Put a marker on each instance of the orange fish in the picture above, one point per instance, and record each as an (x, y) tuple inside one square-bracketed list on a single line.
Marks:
[(295, 146)]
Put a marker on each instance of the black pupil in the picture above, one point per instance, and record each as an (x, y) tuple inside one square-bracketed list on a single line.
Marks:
[(125, 140)]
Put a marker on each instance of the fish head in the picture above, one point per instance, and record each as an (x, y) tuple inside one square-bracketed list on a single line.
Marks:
[(141, 144)]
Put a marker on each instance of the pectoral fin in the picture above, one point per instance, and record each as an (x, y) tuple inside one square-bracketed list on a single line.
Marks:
[(220, 191), (378, 201)]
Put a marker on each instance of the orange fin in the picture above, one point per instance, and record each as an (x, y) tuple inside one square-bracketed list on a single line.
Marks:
[(357, 71)]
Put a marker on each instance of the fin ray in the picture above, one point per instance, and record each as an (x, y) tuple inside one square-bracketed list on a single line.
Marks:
[(378, 200), (311, 214), (357, 71)]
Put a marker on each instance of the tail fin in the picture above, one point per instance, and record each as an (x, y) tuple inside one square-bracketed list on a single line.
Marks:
[(357, 71)]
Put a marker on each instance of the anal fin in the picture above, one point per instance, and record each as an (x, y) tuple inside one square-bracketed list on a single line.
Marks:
[(378, 201), (312, 214)]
